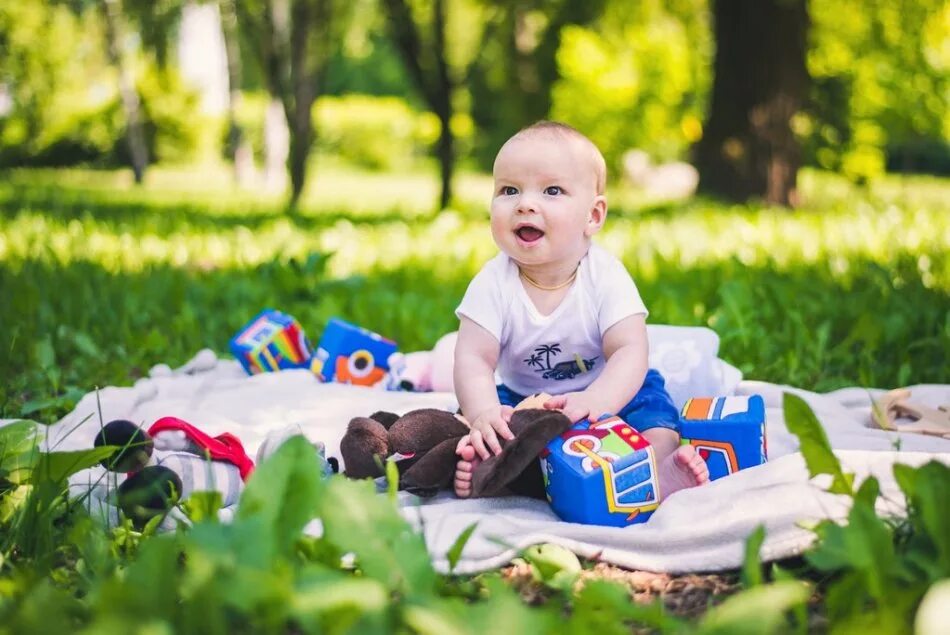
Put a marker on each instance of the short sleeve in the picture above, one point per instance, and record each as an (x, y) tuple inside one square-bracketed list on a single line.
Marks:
[(483, 300), (619, 296)]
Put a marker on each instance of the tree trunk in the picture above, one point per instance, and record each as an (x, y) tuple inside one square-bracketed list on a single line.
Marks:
[(446, 154), (443, 106), (748, 149), (135, 135), (433, 81), (305, 71), (241, 156)]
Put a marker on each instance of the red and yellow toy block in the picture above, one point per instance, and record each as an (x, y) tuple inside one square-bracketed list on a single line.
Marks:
[(269, 342), (728, 432), (601, 473)]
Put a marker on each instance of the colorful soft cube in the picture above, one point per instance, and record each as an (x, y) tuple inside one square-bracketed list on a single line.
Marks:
[(728, 432), (601, 473), (348, 354), (269, 342)]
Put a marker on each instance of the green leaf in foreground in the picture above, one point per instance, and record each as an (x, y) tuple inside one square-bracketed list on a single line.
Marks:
[(756, 611), (203, 506), (19, 451), (864, 545), (58, 466), (392, 481), (814, 444), (355, 519), (926, 490), (604, 607), (455, 551), (332, 602), (283, 492), (751, 563)]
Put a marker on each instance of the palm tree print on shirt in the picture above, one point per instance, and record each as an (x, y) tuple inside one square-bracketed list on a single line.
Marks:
[(540, 361)]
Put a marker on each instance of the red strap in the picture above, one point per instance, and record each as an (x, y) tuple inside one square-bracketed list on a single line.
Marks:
[(224, 447)]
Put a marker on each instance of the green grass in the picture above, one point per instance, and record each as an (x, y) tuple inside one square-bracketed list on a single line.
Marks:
[(100, 280)]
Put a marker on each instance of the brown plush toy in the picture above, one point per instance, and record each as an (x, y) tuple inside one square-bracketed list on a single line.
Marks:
[(423, 442)]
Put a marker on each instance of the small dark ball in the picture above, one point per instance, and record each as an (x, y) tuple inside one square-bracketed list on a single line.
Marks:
[(134, 446), (150, 492)]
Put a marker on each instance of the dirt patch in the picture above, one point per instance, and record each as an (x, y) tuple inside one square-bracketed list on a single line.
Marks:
[(687, 596)]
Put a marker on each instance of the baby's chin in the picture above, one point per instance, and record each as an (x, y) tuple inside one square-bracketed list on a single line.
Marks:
[(539, 255)]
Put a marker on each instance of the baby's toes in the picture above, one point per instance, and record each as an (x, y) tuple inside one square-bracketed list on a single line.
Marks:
[(466, 453), (463, 484), (699, 468)]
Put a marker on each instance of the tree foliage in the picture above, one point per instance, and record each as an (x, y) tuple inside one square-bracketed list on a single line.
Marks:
[(881, 74), (630, 75), (637, 77), (511, 80)]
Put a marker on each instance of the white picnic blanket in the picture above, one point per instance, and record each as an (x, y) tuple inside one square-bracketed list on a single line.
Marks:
[(701, 529)]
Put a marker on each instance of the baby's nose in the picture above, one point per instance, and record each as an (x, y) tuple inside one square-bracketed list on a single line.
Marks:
[(527, 203)]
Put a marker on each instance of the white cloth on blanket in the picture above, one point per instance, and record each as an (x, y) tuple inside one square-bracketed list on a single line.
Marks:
[(701, 529)]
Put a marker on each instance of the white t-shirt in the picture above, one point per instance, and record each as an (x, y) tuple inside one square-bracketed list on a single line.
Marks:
[(541, 352)]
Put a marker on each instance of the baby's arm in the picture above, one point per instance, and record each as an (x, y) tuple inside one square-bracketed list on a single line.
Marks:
[(476, 356), (626, 350)]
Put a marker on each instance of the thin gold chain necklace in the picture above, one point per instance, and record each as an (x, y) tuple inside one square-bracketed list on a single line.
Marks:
[(561, 285)]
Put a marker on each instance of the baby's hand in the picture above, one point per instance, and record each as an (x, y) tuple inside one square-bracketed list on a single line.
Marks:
[(486, 429), (577, 406)]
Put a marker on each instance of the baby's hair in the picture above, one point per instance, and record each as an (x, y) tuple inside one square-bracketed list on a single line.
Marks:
[(569, 132)]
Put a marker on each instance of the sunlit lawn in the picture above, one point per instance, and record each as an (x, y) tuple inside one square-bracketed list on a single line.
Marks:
[(100, 280)]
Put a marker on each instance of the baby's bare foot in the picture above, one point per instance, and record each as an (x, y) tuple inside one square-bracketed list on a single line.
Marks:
[(468, 461), (681, 469)]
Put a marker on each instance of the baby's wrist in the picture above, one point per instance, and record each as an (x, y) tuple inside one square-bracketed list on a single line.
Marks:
[(487, 413)]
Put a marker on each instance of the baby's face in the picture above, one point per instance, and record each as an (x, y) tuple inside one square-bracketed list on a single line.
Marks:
[(545, 205)]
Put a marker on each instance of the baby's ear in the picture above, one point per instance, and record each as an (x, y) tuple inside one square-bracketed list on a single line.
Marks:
[(597, 215)]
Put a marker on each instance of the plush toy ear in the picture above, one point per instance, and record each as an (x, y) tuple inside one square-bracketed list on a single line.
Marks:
[(533, 430), (385, 418), (432, 472), (418, 431), (365, 439)]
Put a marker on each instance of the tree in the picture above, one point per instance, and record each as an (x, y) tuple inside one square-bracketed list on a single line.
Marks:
[(294, 40), (241, 155), (428, 67), (517, 66), (760, 81), (135, 135)]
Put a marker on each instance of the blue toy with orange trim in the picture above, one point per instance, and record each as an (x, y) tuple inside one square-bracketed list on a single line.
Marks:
[(271, 341), (728, 432), (604, 472), (349, 354), (601, 473)]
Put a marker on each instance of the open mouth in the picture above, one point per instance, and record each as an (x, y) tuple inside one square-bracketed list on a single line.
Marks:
[(529, 234)]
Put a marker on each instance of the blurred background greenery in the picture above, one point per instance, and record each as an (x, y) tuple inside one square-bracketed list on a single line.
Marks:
[(630, 75), (169, 167), (778, 172)]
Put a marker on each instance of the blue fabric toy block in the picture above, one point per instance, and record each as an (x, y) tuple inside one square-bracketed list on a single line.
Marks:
[(728, 432), (349, 354), (601, 473), (604, 473)]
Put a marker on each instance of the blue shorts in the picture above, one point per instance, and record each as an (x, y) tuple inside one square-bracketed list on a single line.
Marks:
[(651, 407)]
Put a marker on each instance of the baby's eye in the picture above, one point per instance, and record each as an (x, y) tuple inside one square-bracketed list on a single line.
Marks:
[(508, 190), (553, 190)]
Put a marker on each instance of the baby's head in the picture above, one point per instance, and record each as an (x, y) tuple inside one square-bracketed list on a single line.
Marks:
[(549, 195)]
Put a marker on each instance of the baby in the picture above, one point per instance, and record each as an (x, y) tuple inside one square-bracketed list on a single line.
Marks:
[(555, 313)]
